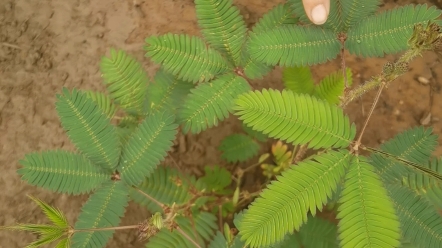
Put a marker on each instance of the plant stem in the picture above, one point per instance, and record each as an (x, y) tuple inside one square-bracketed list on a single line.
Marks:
[(161, 205), (107, 228), (373, 106), (187, 237)]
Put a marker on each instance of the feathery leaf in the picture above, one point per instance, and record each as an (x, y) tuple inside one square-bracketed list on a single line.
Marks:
[(167, 93), (278, 16), (166, 186), (104, 102), (300, 119), (283, 206), (298, 79), (294, 46), (125, 80), (211, 102), (420, 222), (332, 87), (62, 171), (147, 147), (103, 209), (318, 232), (259, 136), (186, 57), (415, 145), (238, 148), (204, 224), (389, 31), (366, 213), (219, 241), (222, 26), (53, 214), (88, 128)]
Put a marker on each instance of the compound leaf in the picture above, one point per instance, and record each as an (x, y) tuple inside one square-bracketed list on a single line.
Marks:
[(103, 209), (53, 214), (216, 178), (222, 26), (389, 31), (104, 102), (296, 118), (212, 102), (298, 79), (421, 223), (294, 46), (62, 171), (278, 16), (219, 241), (414, 145), (167, 93), (88, 128), (147, 147), (125, 80), (284, 205), (204, 223), (366, 213), (238, 148), (331, 87), (318, 232), (166, 186), (186, 57)]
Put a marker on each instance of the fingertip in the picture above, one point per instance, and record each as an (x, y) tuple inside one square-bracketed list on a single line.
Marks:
[(319, 14)]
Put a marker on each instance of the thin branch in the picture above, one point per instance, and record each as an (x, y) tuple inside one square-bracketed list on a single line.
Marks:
[(106, 228), (188, 237), (161, 205), (373, 106), (10, 45)]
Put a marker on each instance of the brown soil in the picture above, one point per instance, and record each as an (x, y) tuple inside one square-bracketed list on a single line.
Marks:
[(47, 45)]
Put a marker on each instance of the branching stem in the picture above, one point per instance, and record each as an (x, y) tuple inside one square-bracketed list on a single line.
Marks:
[(188, 237), (106, 228)]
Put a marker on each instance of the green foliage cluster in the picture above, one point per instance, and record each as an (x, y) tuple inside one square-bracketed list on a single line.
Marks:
[(388, 198)]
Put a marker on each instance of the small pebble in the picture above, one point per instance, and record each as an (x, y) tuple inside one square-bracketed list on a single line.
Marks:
[(423, 80), (397, 112), (426, 119), (401, 102)]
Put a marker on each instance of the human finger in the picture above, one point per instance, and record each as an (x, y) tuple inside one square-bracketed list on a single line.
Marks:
[(317, 10)]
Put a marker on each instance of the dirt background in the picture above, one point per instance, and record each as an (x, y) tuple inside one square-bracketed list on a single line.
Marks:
[(46, 45)]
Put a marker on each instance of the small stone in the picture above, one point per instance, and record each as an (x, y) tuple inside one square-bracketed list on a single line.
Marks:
[(64, 76), (100, 35), (401, 102), (423, 80), (396, 112), (426, 119)]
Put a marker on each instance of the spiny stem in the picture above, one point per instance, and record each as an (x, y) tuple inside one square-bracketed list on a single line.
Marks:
[(187, 237), (106, 228)]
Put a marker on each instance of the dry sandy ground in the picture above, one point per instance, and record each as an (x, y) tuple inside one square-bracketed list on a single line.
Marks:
[(46, 45)]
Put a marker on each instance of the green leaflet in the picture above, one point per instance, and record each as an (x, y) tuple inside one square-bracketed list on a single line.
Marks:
[(356, 11), (222, 26), (389, 31), (162, 186), (318, 232), (204, 223), (147, 147), (238, 148), (366, 213), (259, 136), (278, 16), (216, 179), (125, 80), (414, 145), (211, 102), (296, 118), (103, 101), (219, 241), (426, 186), (62, 171), (421, 223), (298, 80), (103, 209), (88, 128), (332, 87), (186, 57), (284, 205), (56, 216), (166, 93), (294, 46)]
